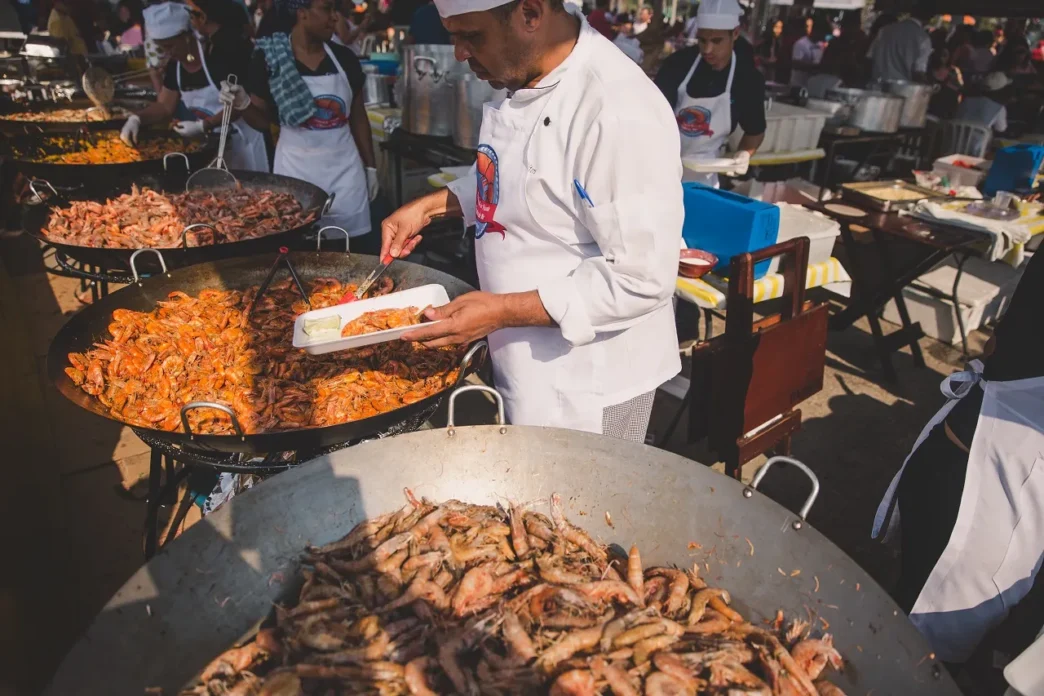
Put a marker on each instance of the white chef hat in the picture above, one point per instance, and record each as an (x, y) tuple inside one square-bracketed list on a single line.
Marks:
[(718, 14), (166, 20), (449, 8)]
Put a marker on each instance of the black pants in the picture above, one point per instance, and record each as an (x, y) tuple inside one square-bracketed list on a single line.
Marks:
[(930, 497)]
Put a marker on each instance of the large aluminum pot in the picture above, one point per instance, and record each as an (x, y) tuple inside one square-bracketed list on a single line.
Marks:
[(916, 97), (376, 91), (210, 585), (429, 71), (876, 112), (472, 94)]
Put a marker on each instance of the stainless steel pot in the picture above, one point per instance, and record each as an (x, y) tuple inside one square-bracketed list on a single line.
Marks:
[(376, 91), (876, 112), (429, 71), (472, 93), (838, 112), (210, 586), (915, 100)]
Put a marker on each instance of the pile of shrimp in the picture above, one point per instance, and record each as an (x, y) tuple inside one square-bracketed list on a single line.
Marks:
[(107, 148), (381, 320), (450, 597), (212, 348), (145, 217)]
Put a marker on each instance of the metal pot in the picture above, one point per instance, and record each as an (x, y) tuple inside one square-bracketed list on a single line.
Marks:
[(472, 94), (871, 111), (171, 617), (429, 71), (916, 97), (839, 112), (376, 91)]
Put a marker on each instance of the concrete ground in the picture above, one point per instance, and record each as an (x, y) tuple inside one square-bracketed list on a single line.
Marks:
[(72, 507)]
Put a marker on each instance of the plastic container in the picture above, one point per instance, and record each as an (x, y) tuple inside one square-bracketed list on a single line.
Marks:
[(328, 342), (726, 224), (961, 176), (787, 129), (386, 63), (796, 221), (1014, 169)]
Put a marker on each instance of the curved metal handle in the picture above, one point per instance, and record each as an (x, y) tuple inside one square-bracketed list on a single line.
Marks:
[(184, 232), (328, 204), (803, 513), (38, 127), (451, 427), (134, 269), (42, 182), (469, 357), (436, 76), (208, 404), (319, 238), (182, 155)]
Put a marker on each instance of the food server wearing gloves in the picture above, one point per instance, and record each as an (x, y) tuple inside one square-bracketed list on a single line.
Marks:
[(711, 92), (194, 78), (576, 230), (314, 89)]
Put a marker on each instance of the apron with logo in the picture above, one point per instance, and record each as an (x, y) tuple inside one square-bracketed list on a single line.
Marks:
[(705, 124), (246, 150), (997, 543), (323, 152)]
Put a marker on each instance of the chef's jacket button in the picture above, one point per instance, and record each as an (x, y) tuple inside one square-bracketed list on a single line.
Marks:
[(532, 170)]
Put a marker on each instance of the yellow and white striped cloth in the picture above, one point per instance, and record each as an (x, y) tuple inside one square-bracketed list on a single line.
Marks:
[(709, 292)]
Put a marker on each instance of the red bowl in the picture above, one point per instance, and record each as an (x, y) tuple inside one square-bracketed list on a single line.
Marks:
[(695, 263)]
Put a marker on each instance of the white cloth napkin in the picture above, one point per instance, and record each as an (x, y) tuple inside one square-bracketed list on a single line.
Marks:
[(1005, 234)]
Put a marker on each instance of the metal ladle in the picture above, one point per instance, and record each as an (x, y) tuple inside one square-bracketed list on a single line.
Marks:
[(216, 174)]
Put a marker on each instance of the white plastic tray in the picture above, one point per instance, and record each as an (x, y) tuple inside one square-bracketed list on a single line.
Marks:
[(328, 342)]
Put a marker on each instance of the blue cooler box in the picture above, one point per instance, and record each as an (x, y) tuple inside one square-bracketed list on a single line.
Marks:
[(1014, 169), (726, 224)]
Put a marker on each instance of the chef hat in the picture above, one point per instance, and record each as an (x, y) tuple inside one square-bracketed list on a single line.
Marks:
[(449, 8), (718, 14), (166, 20)]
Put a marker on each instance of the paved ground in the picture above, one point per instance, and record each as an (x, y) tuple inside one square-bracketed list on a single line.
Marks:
[(72, 509)]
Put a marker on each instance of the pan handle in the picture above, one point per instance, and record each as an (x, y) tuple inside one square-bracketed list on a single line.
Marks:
[(451, 428), (182, 155), (184, 232), (41, 182), (208, 404), (134, 269), (327, 205), (469, 357), (803, 513), (319, 237)]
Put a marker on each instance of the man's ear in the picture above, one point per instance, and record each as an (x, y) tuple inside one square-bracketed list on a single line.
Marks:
[(533, 12)]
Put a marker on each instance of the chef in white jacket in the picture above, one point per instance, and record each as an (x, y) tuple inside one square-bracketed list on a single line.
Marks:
[(577, 229)]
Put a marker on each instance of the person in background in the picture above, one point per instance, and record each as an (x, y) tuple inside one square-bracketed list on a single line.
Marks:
[(61, 26), (901, 50), (943, 103), (641, 22), (224, 22), (351, 28), (848, 50), (324, 136), (129, 13), (988, 107), (960, 44), (191, 77), (426, 26), (601, 19), (978, 62), (792, 33), (690, 27), (712, 91), (769, 48), (805, 56), (651, 38)]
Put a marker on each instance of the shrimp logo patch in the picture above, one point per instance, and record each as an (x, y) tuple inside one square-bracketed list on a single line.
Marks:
[(201, 114), (487, 194), (330, 112), (695, 121)]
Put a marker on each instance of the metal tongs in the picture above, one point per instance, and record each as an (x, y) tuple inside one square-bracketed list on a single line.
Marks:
[(365, 286), (216, 174)]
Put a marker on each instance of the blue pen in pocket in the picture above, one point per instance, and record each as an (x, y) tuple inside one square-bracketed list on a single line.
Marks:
[(582, 193)]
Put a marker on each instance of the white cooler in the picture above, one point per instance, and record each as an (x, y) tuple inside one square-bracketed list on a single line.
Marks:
[(798, 221)]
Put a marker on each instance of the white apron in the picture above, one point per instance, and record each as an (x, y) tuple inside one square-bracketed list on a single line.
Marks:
[(323, 152), (997, 544), (246, 150), (705, 124)]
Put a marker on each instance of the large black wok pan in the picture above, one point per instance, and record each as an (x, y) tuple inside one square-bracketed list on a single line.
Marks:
[(209, 587), (15, 128), (23, 152), (91, 324), (36, 212)]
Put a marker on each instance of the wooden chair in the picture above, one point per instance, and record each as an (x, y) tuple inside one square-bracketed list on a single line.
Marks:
[(746, 382)]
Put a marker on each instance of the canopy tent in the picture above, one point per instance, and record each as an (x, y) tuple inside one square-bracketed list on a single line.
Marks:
[(828, 4)]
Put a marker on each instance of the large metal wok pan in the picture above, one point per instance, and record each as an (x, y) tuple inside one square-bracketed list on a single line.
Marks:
[(91, 324), (36, 213), (23, 150), (17, 128), (210, 586)]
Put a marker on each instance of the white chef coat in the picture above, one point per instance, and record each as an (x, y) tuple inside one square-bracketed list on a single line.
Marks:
[(604, 274), (997, 544)]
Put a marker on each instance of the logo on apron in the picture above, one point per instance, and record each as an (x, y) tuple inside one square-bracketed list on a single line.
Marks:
[(487, 194), (199, 113), (695, 121), (330, 112)]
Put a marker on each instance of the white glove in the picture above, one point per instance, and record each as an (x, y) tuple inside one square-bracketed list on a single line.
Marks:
[(740, 164), (371, 182), (189, 129), (129, 134), (234, 95)]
